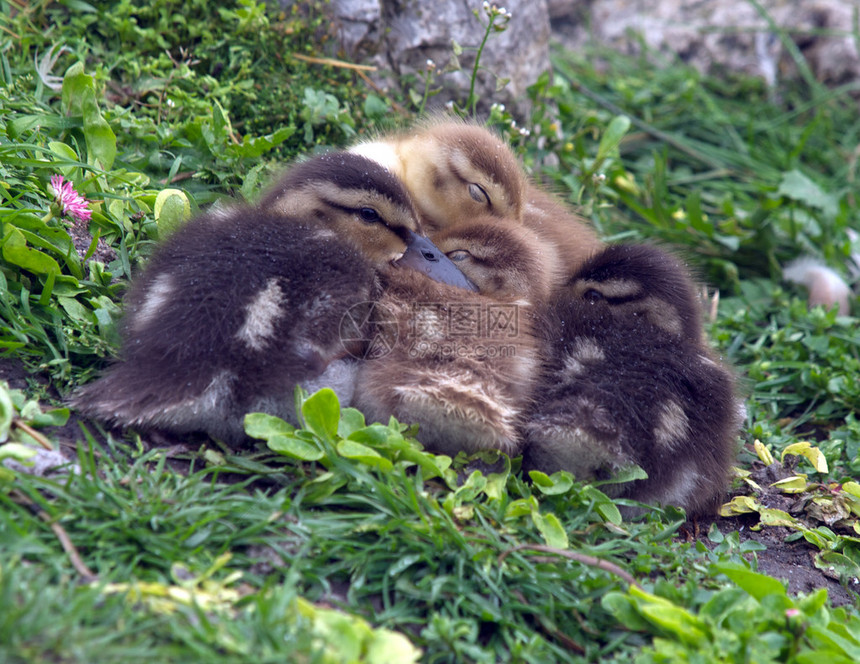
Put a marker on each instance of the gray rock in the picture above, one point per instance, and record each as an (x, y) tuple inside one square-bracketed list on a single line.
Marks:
[(717, 35), (400, 36)]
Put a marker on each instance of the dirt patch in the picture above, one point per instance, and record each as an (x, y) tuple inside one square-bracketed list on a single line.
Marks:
[(792, 562)]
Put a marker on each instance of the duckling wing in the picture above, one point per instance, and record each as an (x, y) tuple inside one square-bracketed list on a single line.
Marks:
[(231, 313), (665, 406)]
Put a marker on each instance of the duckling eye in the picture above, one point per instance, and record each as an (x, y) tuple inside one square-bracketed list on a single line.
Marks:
[(369, 215), (458, 255), (592, 295), (477, 192)]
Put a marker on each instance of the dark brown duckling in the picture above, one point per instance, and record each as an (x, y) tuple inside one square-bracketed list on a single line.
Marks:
[(240, 305), (630, 380)]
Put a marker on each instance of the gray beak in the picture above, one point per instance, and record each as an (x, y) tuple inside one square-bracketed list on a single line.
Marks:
[(424, 256)]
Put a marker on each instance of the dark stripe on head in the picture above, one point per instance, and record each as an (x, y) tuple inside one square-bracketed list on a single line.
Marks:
[(343, 170)]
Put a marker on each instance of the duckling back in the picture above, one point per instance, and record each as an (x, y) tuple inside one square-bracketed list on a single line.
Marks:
[(233, 311), (630, 381)]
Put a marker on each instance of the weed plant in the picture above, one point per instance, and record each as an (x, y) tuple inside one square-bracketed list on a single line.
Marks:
[(343, 541)]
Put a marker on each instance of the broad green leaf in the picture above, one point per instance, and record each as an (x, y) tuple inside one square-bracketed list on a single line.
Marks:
[(853, 488), (798, 187), (608, 146), (521, 507), (625, 474), (101, 141), (351, 449), (16, 252), (603, 505), (625, 610), (321, 414), (551, 529), (497, 484), (16, 451), (552, 485), (171, 211), (757, 585), (76, 310), (263, 425), (835, 643), (375, 435), (295, 447), (385, 646), (75, 84), (837, 564), (677, 621), (55, 417), (351, 421)]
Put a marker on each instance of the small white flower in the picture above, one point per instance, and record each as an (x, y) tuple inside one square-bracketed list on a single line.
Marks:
[(449, 104), (524, 132)]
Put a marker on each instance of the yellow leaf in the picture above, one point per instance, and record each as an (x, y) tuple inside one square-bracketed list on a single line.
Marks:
[(772, 517), (739, 505), (794, 484), (813, 454), (853, 488), (763, 453)]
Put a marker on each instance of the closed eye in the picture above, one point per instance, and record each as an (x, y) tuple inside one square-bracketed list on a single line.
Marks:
[(369, 215), (458, 255), (592, 295), (477, 192)]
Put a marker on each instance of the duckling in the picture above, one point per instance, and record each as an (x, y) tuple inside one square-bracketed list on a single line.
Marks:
[(630, 380), (466, 363), (457, 171), (239, 305)]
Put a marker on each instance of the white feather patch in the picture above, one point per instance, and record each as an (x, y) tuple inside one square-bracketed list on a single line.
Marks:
[(261, 315)]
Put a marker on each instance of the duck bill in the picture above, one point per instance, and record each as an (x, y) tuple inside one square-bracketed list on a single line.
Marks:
[(422, 255)]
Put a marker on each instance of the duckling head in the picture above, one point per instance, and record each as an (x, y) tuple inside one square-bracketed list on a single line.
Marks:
[(454, 171), (502, 258), (633, 285), (358, 200)]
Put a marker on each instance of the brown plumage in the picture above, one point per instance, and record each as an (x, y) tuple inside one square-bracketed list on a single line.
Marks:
[(465, 363), (630, 380), (238, 306), (457, 171)]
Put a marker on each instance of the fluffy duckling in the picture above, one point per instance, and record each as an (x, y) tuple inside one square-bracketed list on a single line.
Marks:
[(631, 380), (457, 172), (240, 305), (465, 363)]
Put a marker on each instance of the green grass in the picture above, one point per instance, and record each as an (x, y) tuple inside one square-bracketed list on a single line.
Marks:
[(281, 553)]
